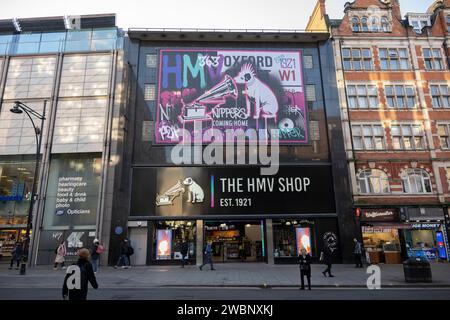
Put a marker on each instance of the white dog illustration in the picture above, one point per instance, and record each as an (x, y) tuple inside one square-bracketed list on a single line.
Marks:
[(195, 192), (264, 99)]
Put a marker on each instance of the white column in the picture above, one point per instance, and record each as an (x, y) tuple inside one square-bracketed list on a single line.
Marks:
[(199, 245), (269, 241)]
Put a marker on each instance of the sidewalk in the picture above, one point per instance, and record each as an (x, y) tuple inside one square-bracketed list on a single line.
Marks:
[(226, 275)]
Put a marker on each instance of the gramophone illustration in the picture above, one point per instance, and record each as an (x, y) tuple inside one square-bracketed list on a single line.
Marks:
[(216, 95), (195, 193)]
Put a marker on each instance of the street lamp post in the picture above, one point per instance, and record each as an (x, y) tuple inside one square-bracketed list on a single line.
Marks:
[(19, 108)]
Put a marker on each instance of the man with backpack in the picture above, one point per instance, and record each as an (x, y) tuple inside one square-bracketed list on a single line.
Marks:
[(96, 251), (125, 253)]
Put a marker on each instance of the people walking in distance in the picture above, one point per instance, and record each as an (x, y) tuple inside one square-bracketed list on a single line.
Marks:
[(130, 252), (184, 253), (86, 275), (326, 258), (123, 258), (16, 255), (96, 251), (305, 268), (207, 258), (60, 259), (357, 251)]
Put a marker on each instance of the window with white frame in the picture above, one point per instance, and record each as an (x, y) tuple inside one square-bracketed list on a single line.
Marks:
[(447, 171), (440, 95), (368, 137), (149, 92), (357, 59), (400, 96), (444, 135), (385, 24), (447, 19), (373, 181), (416, 181), (407, 137), (150, 60), (362, 96), (433, 59), (394, 59), (364, 24)]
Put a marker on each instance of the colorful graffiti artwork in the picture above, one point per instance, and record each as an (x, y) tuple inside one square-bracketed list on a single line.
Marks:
[(201, 89)]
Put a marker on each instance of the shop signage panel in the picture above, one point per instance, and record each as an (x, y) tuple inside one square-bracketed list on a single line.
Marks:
[(425, 213), (381, 214), (193, 191), (230, 89)]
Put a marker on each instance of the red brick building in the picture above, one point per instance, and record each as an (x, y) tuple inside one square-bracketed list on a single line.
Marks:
[(393, 78)]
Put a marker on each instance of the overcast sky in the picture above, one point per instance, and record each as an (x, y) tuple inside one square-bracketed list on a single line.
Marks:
[(227, 14)]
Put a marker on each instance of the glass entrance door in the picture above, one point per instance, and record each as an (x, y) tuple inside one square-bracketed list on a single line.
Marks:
[(236, 241)]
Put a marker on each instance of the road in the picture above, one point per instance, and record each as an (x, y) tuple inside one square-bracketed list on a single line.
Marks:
[(174, 293)]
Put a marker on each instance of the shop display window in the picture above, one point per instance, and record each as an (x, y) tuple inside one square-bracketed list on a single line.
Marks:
[(290, 236), (422, 243), (16, 182), (382, 245), (168, 237)]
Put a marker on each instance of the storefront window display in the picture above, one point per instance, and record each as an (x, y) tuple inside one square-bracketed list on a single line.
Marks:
[(290, 236), (16, 182), (72, 192), (426, 240), (236, 240), (382, 244), (168, 237)]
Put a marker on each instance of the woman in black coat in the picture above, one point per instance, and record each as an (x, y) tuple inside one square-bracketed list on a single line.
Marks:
[(305, 268), (326, 256), (86, 276)]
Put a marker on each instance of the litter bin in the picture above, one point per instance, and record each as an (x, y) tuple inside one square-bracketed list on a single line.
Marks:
[(417, 270)]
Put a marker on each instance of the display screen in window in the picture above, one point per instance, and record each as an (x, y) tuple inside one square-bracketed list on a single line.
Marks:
[(303, 236), (164, 244)]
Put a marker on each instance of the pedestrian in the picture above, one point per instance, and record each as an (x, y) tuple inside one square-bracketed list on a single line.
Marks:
[(123, 258), (60, 259), (16, 255), (86, 276), (305, 268), (130, 252), (207, 256), (242, 251), (184, 252), (326, 257), (96, 250), (358, 253)]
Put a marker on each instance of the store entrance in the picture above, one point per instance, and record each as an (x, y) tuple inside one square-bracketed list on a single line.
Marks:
[(236, 240)]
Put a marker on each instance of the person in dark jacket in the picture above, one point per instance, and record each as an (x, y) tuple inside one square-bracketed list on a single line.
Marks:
[(95, 256), (208, 256), (123, 259), (357, 251), (305, 268), (184, 252), (327, 257), (16, 255), (87, 276)]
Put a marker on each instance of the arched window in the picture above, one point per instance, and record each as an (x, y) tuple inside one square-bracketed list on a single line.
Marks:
[(355, 24), (416, 181), (373, 181), (374, 24), (384, 24), (365, 28)]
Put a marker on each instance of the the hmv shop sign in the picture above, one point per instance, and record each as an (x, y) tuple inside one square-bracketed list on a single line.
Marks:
[(223, 191), (201, 89)]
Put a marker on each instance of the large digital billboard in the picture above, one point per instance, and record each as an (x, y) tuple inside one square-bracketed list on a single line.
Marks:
[(201, 89)]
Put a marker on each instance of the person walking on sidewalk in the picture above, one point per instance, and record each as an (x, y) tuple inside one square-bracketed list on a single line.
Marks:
[(96, 250), (86, 274), (60, 259), (16, 255), (357, 251), (305, 268), (208, 256), (326, 257), (184, 252), (123, 258)]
